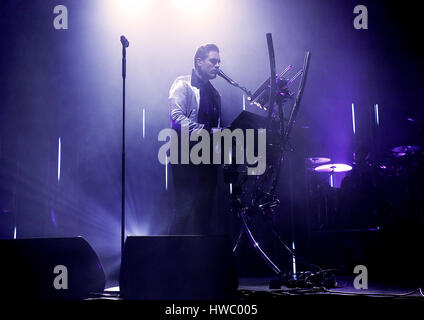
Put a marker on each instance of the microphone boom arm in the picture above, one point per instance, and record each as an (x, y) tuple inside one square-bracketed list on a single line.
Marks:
[(233, 83)]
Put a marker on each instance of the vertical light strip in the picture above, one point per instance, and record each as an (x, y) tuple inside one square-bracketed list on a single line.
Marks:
[(294, 262), (229, 159), (53, 217), (144, 123), (166, 173), (14, 233), (377, 120), (244, 102), (353, 119), (59, 153), (331, 181)]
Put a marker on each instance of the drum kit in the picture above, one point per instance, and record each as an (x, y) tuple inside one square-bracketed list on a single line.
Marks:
[(322, 165), (256, 197), (392, 181), (319, 164), (405, 150)]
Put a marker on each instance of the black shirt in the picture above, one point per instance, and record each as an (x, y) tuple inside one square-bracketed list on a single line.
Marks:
[(210, 102)]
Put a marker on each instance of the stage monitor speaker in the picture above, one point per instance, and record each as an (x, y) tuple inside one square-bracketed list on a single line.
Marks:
[(178, 268), (49, 268)]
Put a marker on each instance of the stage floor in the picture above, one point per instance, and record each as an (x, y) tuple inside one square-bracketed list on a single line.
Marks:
[(258, 287)]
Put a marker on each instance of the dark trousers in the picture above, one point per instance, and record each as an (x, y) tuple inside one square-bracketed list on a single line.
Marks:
[(194, 199)]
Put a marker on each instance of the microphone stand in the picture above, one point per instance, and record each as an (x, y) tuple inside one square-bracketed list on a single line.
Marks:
[(125, 44), (233, 83)]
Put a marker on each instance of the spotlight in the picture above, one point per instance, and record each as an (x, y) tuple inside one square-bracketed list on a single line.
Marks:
[(192, 6), (132, 8)]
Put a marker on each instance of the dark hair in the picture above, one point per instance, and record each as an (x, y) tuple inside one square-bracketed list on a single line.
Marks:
[(203, 51)]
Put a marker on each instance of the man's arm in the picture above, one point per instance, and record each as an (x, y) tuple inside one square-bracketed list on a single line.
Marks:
[(180, 109)]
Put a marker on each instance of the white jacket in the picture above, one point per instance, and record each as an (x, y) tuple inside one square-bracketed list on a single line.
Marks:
[(184, 101)]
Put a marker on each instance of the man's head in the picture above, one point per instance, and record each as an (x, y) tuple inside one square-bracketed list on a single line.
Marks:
[(207, 61)]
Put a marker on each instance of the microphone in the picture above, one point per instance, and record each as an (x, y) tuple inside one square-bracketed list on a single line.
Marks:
[(224, 76), (232, 82), (125, 45), (124, 42)]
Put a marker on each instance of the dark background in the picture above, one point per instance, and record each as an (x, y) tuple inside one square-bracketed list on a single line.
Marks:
[(67, 84)]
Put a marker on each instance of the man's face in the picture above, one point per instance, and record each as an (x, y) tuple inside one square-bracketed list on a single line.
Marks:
[(208, 67)]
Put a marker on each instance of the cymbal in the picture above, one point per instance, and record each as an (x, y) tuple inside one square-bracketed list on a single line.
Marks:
[(399, 154), (333, 167), (318, 160), (405, 149)]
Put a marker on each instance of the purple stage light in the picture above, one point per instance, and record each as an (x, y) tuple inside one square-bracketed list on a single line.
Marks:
[(59, 153), (144, 122), (53, 217), (294, 261), (377, 120), (166, 174), (136, 228)]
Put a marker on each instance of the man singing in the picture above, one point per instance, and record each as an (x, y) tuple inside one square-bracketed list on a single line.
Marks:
[(195, 103)]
